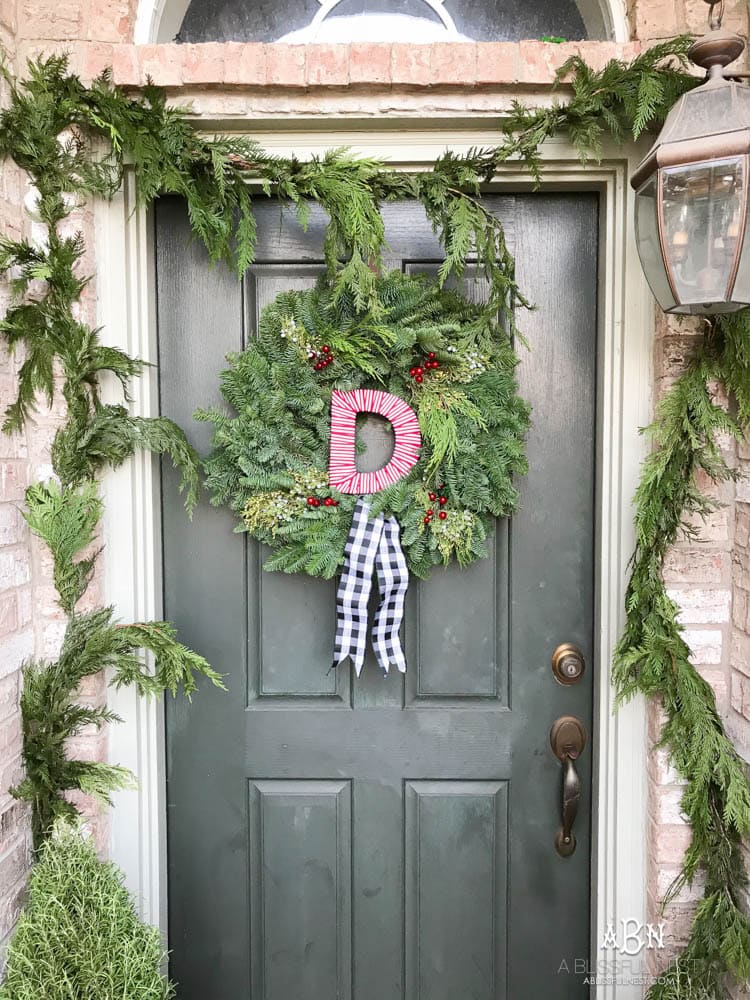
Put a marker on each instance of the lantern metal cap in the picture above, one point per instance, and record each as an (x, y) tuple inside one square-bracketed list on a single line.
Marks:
[(719, 47), (710, 122)]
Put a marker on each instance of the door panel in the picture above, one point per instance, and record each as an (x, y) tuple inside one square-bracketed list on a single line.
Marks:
[(447, 632), (382, 838), (285, 647), (456, 835), (300, 888)]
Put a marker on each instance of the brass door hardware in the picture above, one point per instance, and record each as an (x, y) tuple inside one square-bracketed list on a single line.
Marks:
[(567, 739), (568, 664)]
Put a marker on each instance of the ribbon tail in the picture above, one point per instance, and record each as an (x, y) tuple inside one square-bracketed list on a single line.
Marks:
[(354, 587), (393, 582)]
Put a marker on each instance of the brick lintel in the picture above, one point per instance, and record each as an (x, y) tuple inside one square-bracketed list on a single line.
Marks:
[(363, 66)]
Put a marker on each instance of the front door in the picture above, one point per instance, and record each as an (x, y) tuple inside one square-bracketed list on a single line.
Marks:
[(334, 838)]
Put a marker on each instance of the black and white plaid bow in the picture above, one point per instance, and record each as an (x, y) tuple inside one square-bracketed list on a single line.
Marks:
[(373, 543)]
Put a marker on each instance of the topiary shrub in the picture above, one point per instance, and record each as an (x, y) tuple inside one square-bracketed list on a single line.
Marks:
[(79, 937)]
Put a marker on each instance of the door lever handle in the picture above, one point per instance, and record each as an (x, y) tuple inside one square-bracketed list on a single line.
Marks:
[(567, 739)]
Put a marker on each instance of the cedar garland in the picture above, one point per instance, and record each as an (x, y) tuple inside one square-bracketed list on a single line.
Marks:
[(652, 657), (47, 130)]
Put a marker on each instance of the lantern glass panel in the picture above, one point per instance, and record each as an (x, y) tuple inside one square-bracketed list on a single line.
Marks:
[(649, 247), (741, 290), (702, 210)]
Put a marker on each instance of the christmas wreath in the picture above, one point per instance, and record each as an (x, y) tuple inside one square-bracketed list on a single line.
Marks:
[(446, 357)]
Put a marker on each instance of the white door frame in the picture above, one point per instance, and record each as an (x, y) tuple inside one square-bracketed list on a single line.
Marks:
[(125, 284)]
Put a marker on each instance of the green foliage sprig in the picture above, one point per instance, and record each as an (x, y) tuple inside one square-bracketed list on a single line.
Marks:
[(271, 452), (53, 129), (79, 935)]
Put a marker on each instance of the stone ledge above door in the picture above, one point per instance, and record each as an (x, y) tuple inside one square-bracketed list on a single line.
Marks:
[(220, 77)]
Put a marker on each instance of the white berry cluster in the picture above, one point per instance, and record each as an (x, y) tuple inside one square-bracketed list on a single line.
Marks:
[(282, 508), (477, 362), (289, 329), (291, 332)]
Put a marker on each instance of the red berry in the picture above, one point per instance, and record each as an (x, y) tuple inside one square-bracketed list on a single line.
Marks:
[(430, 512), (311, 500), (326, 349), (319, 366), (431, 355), (420, 371), (427, 520), (312, 355), (316, 503), (419, 379), (335, 503), (442, 500), (442, 515), (412, 371), (433, 496), (328, 502)]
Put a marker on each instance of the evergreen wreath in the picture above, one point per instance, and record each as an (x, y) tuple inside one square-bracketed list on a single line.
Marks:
[(448, 358)]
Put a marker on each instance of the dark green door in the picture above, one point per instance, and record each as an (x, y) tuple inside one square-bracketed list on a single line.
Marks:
[(383, 839)]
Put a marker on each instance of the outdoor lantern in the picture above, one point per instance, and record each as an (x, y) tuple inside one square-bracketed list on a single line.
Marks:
[(692, 190)]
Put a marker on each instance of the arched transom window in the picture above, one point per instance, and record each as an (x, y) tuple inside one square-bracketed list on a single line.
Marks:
[(300, 21)]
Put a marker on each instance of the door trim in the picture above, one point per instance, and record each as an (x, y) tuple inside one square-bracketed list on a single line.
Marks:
[(132, 566)]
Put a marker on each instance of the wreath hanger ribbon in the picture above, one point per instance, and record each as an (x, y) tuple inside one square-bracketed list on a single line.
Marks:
[(373, 544)]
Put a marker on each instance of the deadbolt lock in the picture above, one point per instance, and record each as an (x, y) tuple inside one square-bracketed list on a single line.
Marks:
[(568, 664)]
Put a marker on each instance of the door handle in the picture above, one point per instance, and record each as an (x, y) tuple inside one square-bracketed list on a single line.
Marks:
[(567, 739)]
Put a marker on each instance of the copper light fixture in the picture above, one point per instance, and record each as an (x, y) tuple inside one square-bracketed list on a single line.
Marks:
[(693, 186)]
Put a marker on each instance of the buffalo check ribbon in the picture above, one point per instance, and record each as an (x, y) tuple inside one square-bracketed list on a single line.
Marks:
[(373, 544)]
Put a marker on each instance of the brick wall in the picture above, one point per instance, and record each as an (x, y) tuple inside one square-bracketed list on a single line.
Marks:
[(710, 581), (16, 597)]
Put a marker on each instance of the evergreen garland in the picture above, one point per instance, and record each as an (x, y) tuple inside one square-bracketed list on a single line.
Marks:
[(653, 659), (273, 452), (41, 131), (48, 130)]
